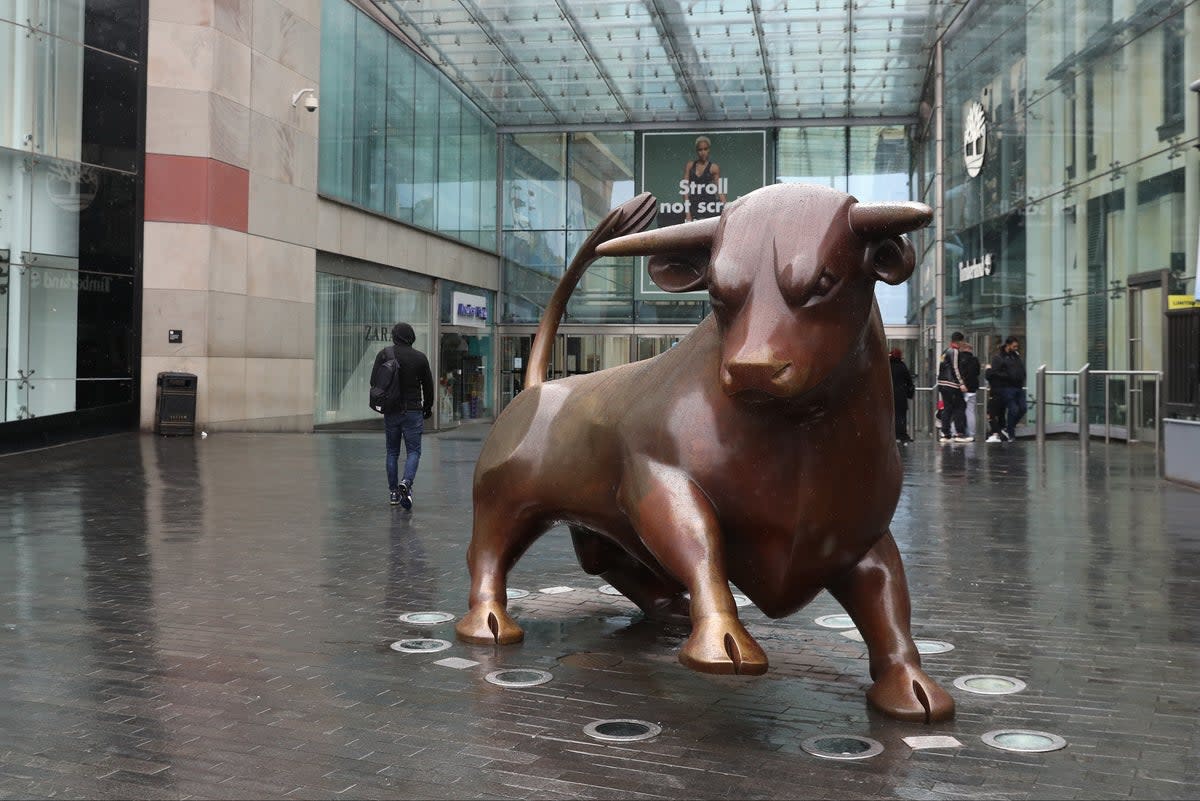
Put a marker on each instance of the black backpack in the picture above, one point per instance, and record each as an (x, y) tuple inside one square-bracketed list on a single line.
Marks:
[(946, 371), (385, 385)]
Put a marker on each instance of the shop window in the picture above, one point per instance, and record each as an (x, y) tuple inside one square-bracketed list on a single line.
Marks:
[(1173, 81), (1089, 103), (1069, 139)]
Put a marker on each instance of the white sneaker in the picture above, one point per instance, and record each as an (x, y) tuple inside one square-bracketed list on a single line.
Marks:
[(994, 438), (964, 439)]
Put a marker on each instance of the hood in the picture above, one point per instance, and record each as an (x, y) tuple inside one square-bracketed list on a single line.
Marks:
[(403, 334)]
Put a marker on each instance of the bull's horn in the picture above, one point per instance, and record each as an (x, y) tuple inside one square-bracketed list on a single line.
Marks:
[(688, 236), (881, 220)]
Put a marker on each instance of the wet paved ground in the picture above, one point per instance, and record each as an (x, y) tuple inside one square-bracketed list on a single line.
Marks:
[(211, 618)]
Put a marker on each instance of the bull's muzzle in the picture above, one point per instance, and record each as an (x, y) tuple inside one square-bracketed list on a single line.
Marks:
[(759, 372)]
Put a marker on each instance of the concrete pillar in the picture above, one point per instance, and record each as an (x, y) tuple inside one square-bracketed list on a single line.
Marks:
[(231, 208)]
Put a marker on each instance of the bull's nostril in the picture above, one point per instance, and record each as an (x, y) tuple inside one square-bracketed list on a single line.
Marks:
[(782, 370)]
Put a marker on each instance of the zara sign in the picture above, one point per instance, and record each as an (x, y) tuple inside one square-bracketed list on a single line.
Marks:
[(469, 310)]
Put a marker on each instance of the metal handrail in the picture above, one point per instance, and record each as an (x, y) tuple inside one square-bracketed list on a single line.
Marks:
[(1081, 402)]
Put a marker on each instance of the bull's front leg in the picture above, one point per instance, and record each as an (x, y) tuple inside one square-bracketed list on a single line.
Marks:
[(875, 594), (677, 523)]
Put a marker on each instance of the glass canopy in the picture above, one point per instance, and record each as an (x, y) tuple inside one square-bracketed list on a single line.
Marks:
[(587, 62)]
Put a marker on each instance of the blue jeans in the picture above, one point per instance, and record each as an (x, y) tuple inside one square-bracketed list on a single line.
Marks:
[(406, 426), (1015, 407)]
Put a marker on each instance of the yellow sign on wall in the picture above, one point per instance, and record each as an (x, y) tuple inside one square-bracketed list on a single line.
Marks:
[(1182, 302)]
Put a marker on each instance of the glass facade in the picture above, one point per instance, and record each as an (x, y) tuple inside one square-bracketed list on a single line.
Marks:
[(1071, 189), (558, 185), (354, 322), (870, 162), (70, 177), (397, 137)]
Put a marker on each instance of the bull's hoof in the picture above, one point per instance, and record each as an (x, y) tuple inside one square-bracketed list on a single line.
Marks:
[(488, 623), (905, 692), (720, 644)]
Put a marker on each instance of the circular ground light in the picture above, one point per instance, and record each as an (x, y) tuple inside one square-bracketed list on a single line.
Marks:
[(426, 618), (1025, 741), (835, 621), (989, 684), (842, 746), (591, 660), (933, 646), (608, 589), (423, 646), (621, 730), (518, 677), (513, 594)]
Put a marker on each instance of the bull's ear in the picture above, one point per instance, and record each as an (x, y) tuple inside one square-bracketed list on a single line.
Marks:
[(890, 260), (679, 254), (682, 271)]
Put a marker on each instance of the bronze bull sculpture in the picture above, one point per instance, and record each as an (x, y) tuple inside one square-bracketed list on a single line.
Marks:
[(759, 450)]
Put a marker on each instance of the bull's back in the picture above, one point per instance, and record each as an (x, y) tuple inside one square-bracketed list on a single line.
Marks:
[(559, 445)]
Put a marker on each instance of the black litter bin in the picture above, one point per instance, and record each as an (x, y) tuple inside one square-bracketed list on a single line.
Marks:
[(175, 406)]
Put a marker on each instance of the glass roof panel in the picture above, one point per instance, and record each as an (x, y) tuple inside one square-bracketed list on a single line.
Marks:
[(571, 62)]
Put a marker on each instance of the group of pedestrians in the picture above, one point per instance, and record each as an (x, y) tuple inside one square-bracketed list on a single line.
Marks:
[(958, 381)]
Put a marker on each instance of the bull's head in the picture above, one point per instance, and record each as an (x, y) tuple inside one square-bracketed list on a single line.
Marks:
[(790, 270)]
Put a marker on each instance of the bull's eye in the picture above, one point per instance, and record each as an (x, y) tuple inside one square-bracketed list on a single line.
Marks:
[(825, 282)]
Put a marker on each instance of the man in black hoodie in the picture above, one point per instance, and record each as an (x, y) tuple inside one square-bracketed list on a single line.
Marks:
[(405, 419), (1006, 379)]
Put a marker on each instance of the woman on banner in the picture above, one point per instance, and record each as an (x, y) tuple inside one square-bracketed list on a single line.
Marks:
[(702, 179)]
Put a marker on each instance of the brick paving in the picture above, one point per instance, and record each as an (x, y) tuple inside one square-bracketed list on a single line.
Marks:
[(186, 618)]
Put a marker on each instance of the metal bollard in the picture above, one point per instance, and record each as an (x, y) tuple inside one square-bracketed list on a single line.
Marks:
[(1083, 408), (1040, 405)]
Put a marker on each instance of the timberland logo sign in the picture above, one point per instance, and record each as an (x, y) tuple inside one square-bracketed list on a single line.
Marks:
[(72, 187), (970, 270), (974, 138)]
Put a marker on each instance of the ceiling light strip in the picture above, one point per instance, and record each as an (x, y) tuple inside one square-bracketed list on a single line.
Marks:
[(756, 15), (713, 125), (461, 83), (586, 43), (485, 26), (659, 19), (849, 54)]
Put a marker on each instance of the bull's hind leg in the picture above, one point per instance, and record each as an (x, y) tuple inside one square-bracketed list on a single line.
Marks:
[(659, 597), (497, 542), (678, 525), (875, 593)]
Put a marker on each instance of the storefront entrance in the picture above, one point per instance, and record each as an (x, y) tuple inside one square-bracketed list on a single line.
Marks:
[(576, 353), (1147, 311), (464, 381)]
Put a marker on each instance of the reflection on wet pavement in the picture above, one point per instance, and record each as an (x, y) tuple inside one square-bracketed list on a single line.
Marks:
[(215, 619)]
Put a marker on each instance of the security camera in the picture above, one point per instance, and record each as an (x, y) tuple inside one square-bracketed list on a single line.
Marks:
[(310, 99)]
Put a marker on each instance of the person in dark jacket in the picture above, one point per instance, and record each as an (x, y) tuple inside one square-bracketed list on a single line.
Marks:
[(969, 367), (406, 420), (1006, 381), (902, 391), (952, 389)]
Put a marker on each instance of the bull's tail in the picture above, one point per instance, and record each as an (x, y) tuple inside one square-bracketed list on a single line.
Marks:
[(628, 218)]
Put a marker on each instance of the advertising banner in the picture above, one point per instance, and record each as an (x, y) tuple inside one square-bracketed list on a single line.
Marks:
[(693, 175)]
